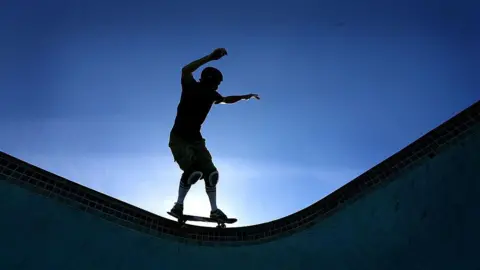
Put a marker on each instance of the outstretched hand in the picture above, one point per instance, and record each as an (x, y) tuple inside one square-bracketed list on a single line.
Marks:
[(218, 53), (249, 96)]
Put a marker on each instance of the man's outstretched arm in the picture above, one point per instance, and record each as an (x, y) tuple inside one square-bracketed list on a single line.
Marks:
[(234, 99)]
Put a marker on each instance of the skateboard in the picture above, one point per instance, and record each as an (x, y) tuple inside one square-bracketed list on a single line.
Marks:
[(220, 223)]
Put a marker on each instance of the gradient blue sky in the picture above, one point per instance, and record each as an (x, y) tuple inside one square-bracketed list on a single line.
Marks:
[(89, 91)]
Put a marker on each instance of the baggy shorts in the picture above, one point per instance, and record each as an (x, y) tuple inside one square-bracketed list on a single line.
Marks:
[(191, 156)]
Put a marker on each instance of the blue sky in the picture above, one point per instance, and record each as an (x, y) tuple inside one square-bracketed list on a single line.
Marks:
[(90, 88)]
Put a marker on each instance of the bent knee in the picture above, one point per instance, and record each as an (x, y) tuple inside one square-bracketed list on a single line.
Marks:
[(191, 177), (211, 178)]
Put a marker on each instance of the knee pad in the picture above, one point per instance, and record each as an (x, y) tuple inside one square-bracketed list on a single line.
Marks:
[(191, 178), (212, 179)]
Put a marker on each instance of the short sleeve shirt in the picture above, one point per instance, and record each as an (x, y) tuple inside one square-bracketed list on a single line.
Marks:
[(193, 108)]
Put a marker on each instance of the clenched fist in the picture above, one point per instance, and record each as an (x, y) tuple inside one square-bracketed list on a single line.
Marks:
[(218, 53)]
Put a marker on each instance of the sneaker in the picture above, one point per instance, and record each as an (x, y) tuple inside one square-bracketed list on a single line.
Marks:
[(218, 215), (177, 210)]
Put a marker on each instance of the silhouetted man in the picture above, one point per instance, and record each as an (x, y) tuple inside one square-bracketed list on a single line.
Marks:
[(186, 141)]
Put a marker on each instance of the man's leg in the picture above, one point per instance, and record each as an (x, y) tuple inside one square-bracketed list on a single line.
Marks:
[(184, 155), (186, 181), (211, 181), (205, 164)]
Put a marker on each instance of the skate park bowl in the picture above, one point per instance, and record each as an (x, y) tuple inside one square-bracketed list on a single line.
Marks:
[(418, 209)]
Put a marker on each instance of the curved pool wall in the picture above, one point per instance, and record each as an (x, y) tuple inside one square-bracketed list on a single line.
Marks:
[(419, 209)]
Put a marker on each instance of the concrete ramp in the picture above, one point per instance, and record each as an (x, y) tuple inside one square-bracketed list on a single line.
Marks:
[(418, 209)]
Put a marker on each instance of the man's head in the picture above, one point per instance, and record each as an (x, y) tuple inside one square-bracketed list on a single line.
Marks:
[(211, 78)]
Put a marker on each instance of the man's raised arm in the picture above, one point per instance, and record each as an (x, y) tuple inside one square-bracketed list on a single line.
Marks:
[(190, 68), (193, 66)]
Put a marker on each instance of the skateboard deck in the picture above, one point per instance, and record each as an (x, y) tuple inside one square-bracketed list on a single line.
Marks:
[(220, 223)]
